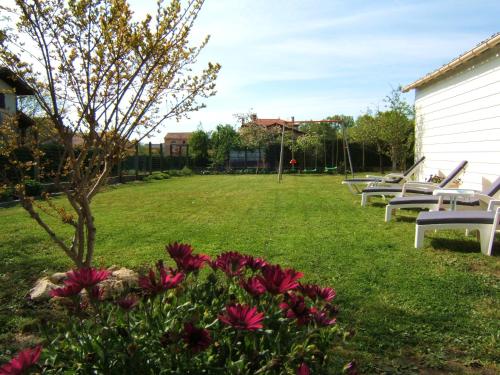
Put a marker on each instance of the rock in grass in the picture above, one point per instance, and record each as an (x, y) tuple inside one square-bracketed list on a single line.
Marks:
[(58, 277), (42, 288)]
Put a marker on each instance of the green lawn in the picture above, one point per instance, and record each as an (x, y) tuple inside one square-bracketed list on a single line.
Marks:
[(433, 310)]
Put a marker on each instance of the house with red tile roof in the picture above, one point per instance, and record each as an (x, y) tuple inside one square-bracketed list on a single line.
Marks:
[(177, 144)]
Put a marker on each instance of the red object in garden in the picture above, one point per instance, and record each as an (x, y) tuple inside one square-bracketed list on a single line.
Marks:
[(254, 263), (279, 281), (294, 307), (303, 369), (315, 292), (66, 291), (167, 280), (231, 263), (242, 317), (129, 302), (253, 286), (293, 162), (23, 361), (197, 339), (179, 250), (86, 277)]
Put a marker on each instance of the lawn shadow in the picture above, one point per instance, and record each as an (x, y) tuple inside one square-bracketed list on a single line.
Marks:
[(465, 246)]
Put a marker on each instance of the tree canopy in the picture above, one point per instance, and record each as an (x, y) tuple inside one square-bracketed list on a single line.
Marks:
[(100, 72)]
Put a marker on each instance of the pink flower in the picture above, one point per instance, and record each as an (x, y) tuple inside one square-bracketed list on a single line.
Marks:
[(129, 302), (192, 262), (166, 280), (294, 307), (278, 281), (303, 369), (231, 263), (86, 277), (253, 286), (322, 318), (23, 361), (242, 317), (66, 291), (315, 292), (351, 368), (179, 250), (96, 293), (255, 263), (197, 339)]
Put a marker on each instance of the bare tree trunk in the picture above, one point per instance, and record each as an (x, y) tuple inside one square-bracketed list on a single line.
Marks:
[(394, 159), (363, 156)]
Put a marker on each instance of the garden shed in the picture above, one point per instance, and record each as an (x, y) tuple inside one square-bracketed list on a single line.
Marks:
[(458, 115)]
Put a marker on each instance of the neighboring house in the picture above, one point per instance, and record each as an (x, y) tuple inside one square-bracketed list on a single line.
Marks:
[(177, 144), (11, 87), (458, 115), (273, 123)]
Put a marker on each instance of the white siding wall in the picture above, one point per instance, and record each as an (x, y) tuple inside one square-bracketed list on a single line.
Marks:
[(458, 118)]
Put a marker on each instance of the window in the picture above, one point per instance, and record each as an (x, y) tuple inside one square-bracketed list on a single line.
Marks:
[(2, 101)]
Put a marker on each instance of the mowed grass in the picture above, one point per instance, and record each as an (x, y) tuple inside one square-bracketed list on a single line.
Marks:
[(431, 310)]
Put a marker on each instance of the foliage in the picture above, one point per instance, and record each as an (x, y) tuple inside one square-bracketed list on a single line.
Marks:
[(244, 316), (156, 176), (32, 188), (224, 139), (397, 128), (186, 171), (390, 130), (199, 144), (98, 74)]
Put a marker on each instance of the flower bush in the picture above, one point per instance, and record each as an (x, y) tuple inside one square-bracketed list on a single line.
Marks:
[(239, 315)]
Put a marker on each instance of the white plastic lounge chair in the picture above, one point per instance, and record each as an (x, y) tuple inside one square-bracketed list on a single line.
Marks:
[(411, 187), (486, 222), (391, 178), (434, 203)]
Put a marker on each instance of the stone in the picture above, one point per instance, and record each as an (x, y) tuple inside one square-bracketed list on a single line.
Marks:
[(126, 276), (42, 288), (58, 277), (113, 268)]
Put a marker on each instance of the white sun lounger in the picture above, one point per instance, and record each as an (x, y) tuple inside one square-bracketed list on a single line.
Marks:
[(486, 222), (410, 187), (391, 178), (434, 203)]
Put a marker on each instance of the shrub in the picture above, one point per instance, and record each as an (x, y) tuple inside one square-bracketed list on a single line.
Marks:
[(33, 188), (157, 176), (241, 315), (6, 194), (186, 171)]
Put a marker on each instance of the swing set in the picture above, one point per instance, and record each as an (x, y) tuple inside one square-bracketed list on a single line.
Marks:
[(328, 169)]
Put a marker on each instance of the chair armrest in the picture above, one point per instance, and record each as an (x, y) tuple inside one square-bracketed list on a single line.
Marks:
[(493, 203), (426, 186)]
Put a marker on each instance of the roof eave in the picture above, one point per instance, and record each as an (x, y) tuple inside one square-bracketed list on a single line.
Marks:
[(455, 63)]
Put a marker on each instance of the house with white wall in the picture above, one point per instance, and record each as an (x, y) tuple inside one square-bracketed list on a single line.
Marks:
[(458, 116)]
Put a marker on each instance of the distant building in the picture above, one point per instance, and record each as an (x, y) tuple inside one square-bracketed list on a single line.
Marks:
[(457, 116), (177, 144), (272, 123), (11, 86)]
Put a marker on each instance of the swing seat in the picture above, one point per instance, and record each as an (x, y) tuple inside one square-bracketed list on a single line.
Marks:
[(331, 170), (310, 171)]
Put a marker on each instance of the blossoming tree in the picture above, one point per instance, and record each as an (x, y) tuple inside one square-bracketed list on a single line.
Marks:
[(105, 76)]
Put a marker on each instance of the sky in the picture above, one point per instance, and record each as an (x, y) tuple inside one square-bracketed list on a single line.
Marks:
[(314, 58), (311, 59)]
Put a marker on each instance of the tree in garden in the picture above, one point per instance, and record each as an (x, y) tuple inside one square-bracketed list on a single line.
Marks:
[(224, 139), (199, 144), (366, 132), (397, 128), (255, 137), (99, 73)]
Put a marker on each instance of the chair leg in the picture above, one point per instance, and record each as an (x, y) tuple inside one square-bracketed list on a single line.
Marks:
[(364, 199), (419, 236), (491, 241), (388, 213), (484, 238)]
